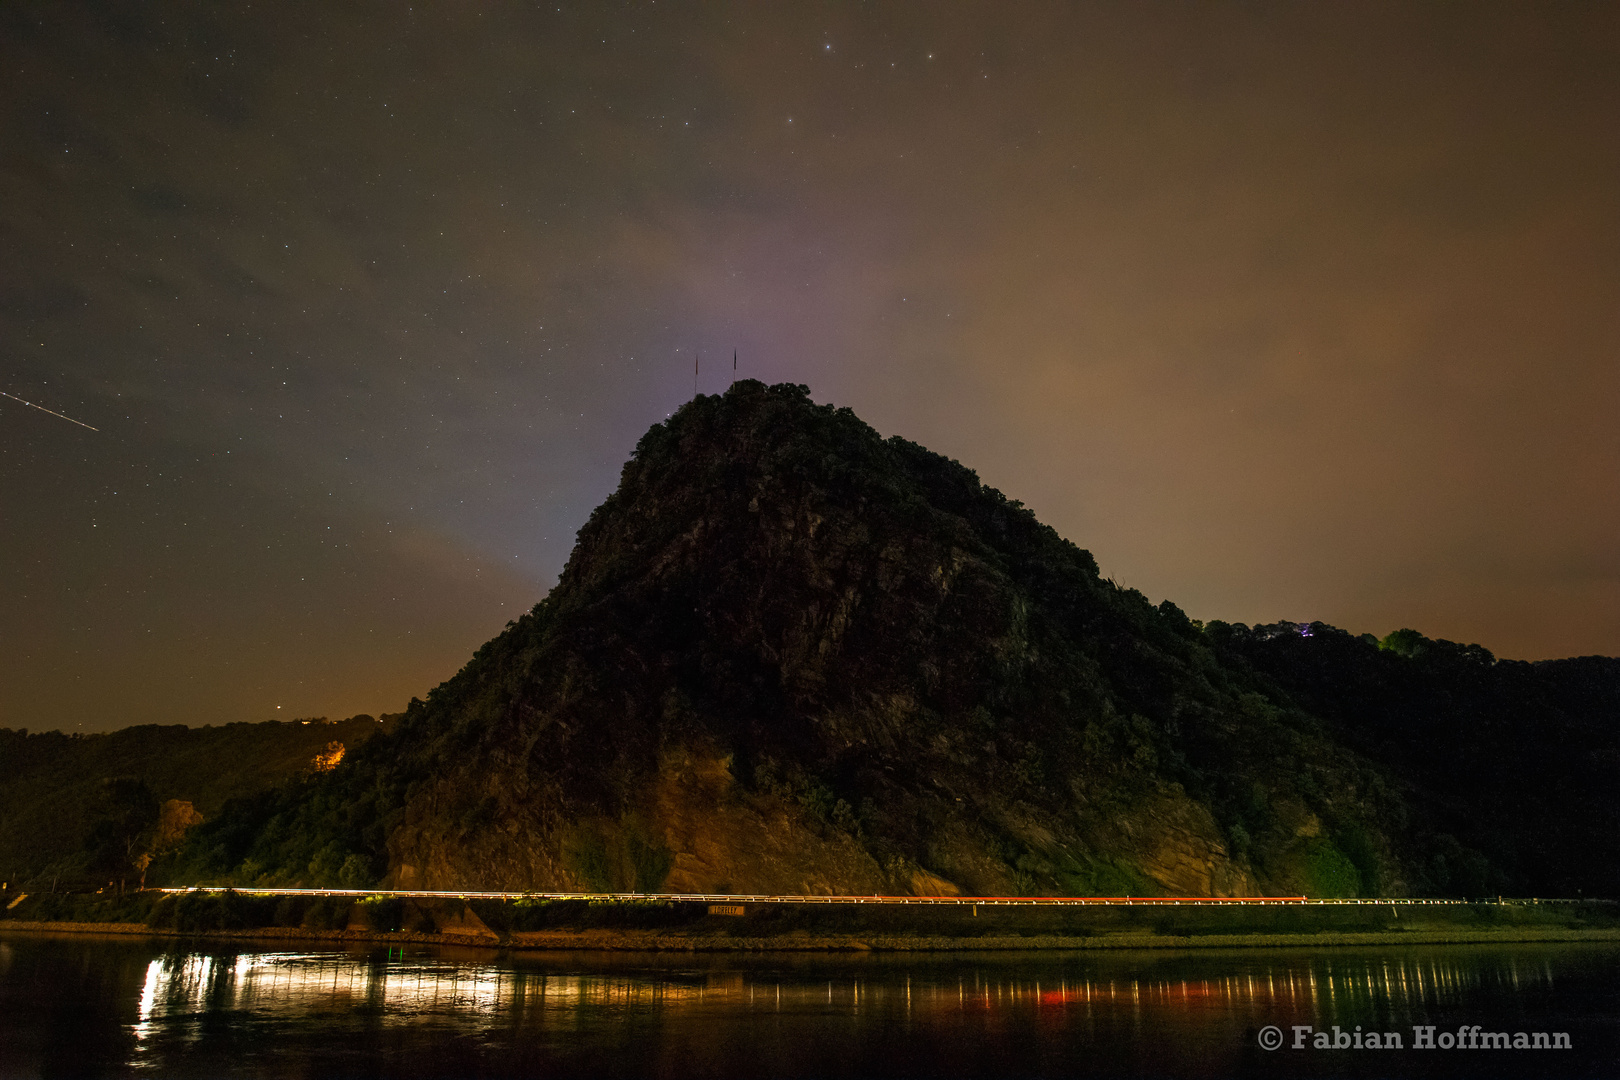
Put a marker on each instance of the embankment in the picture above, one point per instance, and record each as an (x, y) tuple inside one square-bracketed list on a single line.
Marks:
[(690, 926)]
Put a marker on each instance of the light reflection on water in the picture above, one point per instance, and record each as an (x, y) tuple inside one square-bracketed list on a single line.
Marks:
[(182, 985), (145, 1007)]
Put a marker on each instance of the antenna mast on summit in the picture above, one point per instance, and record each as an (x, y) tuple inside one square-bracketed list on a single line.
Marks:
[(694, 373), (734, 367)]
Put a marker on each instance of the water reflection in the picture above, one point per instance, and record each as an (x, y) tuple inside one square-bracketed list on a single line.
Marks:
[(82, 1007), (185, 985)]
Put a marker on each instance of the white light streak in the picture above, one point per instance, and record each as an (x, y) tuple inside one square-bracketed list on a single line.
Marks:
[(43, 409)]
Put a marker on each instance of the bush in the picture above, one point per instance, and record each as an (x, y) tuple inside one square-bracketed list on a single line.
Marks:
[(328, 913), (1328, 873), (191, 912), (417, 919), (546, 914), (382, 913), (132, 907), (290, 911)]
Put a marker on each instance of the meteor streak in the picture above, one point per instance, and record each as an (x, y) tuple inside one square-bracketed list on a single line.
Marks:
[(53, 412)]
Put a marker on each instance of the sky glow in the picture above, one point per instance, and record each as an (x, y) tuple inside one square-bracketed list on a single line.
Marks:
[(1284, 311)]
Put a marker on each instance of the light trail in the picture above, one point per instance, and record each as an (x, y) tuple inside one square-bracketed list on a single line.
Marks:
[(765, 898), (53, 412)]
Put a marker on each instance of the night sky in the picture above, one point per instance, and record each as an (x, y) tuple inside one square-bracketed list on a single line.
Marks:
[(1292, 311)]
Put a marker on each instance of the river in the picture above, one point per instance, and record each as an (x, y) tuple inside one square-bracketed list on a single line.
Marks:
[(73, 1005)]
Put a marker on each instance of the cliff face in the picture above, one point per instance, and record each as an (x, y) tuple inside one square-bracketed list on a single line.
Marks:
[(790, 656)]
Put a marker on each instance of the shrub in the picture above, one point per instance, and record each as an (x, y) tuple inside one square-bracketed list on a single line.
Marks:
[(290, 911), (192, 912), (328, 913), (382, 913)]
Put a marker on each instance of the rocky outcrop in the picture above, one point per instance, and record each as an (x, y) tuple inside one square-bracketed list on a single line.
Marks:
[(790, 656)]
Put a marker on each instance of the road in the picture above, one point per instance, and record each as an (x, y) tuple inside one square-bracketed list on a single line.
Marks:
[(734, 898)]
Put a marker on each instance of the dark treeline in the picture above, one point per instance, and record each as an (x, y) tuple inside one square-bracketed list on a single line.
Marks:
[(81, 811), (1510, 765)]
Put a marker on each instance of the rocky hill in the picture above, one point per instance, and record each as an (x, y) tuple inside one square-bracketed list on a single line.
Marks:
[(788, 655)]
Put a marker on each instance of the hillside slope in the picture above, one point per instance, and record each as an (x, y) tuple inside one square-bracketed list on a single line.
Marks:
[(49, 780), (1510, 766), (788, 655)]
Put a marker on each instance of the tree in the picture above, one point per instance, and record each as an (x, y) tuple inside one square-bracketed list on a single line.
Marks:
[(123, 819), (327, 759), (175, 817)]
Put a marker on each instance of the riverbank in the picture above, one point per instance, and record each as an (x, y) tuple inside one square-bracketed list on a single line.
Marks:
[(654, 925), (654, 941)]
